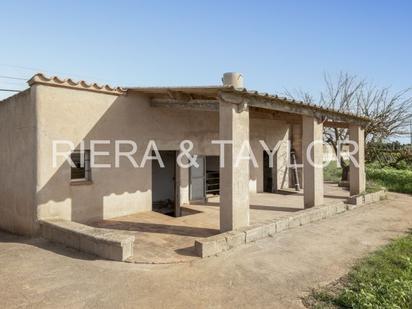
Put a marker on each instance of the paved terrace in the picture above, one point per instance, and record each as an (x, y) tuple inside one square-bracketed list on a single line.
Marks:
[(164, 239)]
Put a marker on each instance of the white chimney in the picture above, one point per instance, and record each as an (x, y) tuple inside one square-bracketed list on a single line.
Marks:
[(233, 79)]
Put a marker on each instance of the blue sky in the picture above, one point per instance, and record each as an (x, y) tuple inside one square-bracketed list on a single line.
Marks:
[(276, 44)]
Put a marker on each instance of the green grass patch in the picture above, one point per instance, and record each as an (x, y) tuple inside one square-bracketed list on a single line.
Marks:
[(397, 180), (332, 172), (372, 187), (392, 179), (381, 280)]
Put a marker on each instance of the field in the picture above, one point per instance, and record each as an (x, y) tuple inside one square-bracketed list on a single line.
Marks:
[(396, 180)]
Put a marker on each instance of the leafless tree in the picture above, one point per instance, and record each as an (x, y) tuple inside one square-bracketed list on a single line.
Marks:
[(388, 111)]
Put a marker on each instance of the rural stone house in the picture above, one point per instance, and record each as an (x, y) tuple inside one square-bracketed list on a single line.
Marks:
[(32, 189)]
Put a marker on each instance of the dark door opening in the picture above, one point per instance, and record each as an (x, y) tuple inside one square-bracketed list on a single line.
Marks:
[(269, 174), (212, 175), (164, 184)]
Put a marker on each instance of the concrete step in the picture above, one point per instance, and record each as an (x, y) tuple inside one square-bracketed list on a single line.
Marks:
[(108, 244), (216, 244)]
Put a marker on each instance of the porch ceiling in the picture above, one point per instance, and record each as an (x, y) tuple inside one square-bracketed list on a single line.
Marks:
[(207, 98)]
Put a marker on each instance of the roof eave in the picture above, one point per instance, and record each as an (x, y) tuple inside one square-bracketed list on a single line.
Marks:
[(274, 102)]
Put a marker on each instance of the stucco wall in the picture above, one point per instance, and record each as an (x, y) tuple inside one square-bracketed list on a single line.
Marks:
[(273, 132), (17, 164), (84, 115)]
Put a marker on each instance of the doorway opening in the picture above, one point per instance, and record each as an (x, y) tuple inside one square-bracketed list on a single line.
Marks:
[(205, 179), (164, 184), (212, 175), (269, 174)]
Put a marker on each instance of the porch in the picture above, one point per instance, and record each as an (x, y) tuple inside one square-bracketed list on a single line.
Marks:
[(250, 122), (161, 238)]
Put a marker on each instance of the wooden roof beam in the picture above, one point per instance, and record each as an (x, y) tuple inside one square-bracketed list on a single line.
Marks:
[(288, 107), (194, 104), (336, 124)]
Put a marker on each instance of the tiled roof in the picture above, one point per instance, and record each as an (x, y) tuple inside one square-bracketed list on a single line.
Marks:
[(39, 78), (297, 103), (208, 91), (213, 91)]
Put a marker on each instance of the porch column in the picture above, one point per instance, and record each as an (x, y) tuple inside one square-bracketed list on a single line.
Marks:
[(182, 186), (312, 142), (357, 179), (234, 180)]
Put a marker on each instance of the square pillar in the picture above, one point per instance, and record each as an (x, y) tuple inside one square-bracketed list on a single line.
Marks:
[(181, 187), (357, 178), (234, 180), (312, 143), (182, 175)]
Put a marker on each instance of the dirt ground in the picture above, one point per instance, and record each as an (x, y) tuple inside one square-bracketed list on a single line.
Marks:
[(271, 273)]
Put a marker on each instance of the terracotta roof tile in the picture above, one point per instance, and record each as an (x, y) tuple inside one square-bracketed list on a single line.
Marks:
[(40, 78), (210, 90)]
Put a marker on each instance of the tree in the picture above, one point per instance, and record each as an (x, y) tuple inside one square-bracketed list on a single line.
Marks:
[(389, 112)]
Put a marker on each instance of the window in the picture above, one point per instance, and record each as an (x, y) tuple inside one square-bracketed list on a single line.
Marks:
[(81, 171)]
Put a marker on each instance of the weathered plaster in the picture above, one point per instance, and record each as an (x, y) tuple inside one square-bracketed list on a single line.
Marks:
[(17, 163), (33, 189)]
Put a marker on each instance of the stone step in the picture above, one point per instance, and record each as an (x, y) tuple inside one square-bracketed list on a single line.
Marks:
[(108, 244), (222, 242)]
